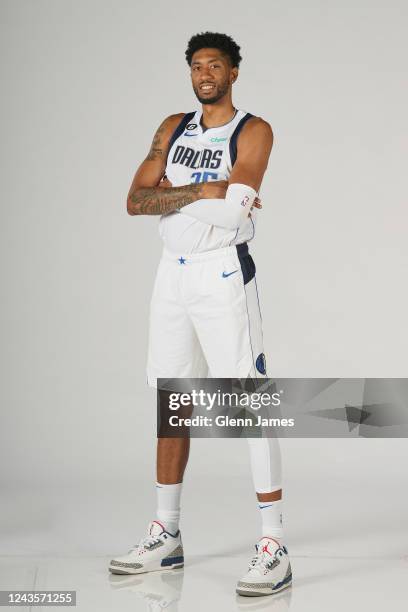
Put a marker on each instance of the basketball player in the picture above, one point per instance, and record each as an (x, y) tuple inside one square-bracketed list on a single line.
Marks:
[(205, 315)]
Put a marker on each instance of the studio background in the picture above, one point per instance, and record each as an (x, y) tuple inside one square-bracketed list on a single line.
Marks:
[(84, 87)]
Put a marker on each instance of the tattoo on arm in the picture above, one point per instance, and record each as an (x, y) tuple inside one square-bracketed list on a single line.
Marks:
[(159, 200), (156, 150)]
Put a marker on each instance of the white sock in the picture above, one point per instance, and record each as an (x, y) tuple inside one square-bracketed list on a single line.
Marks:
[(168, 505), (271, 516)]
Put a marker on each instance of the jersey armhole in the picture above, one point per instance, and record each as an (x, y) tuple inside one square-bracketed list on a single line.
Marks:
[(180, 129), (234, 137)]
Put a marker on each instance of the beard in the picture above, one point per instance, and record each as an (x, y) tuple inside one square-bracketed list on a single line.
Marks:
[(220, 92)]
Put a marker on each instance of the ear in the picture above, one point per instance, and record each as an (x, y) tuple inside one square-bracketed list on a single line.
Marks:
[(234, 74)]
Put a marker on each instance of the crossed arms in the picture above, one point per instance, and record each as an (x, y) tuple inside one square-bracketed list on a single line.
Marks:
[(147, 197)]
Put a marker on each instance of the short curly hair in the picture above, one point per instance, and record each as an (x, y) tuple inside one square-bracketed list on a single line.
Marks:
[(214, 40)]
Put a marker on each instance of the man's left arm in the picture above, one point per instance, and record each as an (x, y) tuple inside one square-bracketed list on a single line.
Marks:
[(253, 150)]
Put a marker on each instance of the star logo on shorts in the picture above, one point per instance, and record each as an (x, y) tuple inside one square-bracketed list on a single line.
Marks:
[(182, 260)]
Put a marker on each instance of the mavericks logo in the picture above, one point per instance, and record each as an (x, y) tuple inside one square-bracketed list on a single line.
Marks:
[(261, 364)]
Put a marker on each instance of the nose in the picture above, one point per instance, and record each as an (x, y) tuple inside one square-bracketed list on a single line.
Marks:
[(204, 74)]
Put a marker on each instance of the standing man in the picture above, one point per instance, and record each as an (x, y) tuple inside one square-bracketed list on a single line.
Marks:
[(205, 314)]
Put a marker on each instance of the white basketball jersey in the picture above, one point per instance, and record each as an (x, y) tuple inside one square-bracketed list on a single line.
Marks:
[(197, 156)]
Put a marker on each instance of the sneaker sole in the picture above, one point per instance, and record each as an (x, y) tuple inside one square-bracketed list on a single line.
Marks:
[(261, 592), (122, 570)]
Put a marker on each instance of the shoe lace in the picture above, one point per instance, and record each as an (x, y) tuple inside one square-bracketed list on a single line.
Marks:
[(262, 559), (146, 542)]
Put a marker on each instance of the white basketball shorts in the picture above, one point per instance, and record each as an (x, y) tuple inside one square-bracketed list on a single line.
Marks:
[(205, 318)]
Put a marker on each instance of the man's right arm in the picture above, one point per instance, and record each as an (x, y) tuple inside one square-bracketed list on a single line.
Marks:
[(147, 198)]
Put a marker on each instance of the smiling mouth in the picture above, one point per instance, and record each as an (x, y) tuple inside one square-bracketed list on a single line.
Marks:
[(207, 87)]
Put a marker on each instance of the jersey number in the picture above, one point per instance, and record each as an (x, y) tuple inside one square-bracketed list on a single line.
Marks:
[(203, 177)]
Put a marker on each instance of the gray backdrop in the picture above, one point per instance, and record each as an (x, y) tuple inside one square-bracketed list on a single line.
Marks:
[(84, 86)]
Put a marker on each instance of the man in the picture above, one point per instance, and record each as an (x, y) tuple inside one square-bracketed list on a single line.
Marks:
[(205, 311)]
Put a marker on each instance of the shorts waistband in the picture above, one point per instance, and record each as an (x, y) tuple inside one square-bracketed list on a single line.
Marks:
[(188, 258)]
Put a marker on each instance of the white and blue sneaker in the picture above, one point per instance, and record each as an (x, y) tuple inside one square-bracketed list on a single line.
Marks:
[(269, 570), (159, 550)]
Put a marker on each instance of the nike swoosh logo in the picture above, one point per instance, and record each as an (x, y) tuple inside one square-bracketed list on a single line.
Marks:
[(225, 274), (262, 507), (185, 134)]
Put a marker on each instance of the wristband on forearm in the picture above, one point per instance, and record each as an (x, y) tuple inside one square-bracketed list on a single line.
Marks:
[(229, 213)]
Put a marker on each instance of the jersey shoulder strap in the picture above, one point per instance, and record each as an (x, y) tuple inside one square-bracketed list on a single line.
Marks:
[(234, 137), (180, 128)]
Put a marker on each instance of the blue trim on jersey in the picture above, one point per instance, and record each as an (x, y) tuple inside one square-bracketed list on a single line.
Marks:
[(234, 137), (180, 129)]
